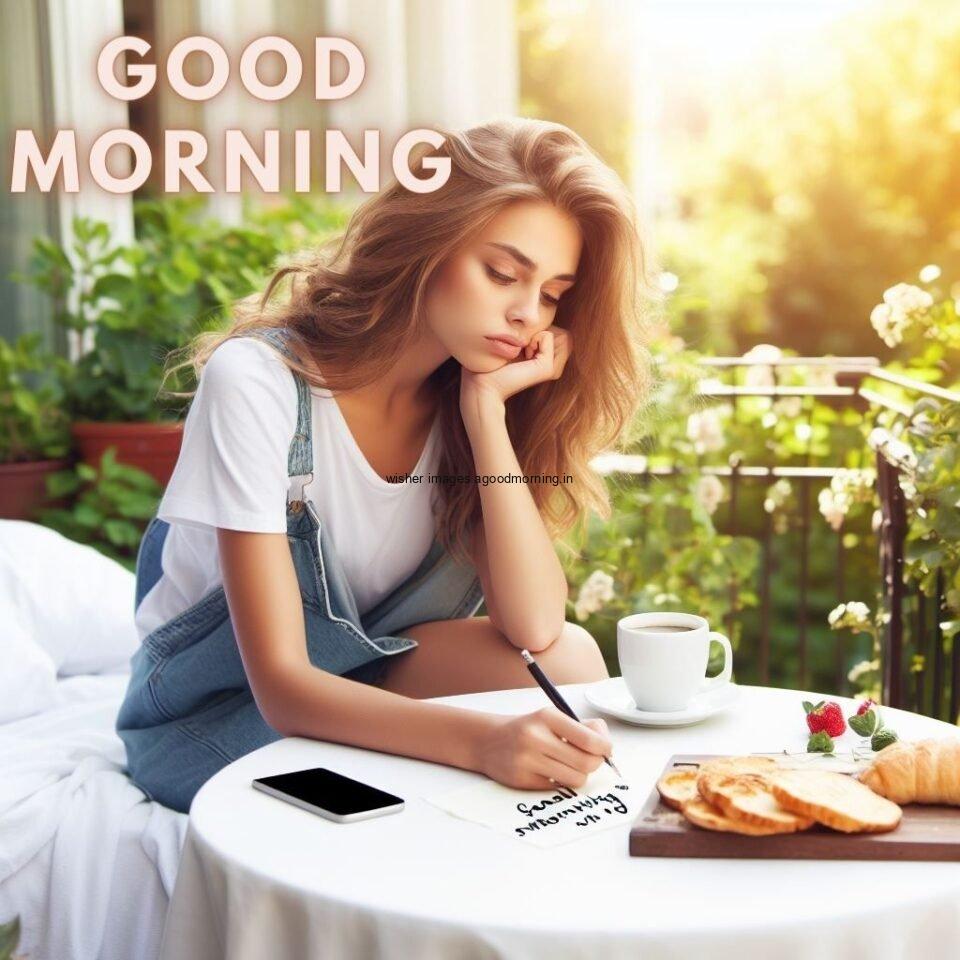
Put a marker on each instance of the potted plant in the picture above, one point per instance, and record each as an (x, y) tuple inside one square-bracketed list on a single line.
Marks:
[(130, 306), (105, 295), (34, 430)]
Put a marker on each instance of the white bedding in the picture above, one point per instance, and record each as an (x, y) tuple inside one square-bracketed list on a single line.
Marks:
[(85, 859)]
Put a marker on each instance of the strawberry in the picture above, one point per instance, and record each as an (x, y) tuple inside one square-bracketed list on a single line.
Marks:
[(865, 705), (827, 717)]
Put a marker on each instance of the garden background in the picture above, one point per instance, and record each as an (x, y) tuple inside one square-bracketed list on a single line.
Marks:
[(796, 169)]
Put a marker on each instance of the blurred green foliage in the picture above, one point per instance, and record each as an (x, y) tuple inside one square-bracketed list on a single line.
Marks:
[(109, 506), (134, 303), (804, 189), (9, 938), (576, 66), (33, 424), (802, 183)]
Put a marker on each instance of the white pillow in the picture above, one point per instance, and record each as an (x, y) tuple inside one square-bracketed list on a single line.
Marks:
[(66, 598)]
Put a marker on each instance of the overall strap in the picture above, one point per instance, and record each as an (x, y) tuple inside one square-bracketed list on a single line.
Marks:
[(300, 456)]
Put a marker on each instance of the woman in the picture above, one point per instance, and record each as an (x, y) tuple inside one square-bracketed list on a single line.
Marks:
[(288, 588)]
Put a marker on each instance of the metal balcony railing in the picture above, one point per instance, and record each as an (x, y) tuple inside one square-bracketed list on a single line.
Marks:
[(941, 698)]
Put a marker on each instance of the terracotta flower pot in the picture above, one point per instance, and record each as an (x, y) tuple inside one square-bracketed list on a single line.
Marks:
[(153, 447), (23, 487)]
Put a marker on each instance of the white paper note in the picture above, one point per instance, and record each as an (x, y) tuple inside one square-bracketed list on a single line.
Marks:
[(546, 819)]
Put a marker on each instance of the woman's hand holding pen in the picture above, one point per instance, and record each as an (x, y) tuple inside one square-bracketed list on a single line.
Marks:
[(537, 751)]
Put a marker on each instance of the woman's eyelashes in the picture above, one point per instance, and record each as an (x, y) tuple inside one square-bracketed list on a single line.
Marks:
[(498, 277)]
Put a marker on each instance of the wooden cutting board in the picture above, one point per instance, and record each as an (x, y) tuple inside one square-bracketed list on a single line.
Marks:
[(925, 833)]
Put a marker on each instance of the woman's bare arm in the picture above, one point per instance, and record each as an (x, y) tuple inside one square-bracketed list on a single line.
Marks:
[(514, 552), (299, 699), (530, 751)]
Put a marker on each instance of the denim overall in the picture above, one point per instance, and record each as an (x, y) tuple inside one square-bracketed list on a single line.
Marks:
[(189, 711)]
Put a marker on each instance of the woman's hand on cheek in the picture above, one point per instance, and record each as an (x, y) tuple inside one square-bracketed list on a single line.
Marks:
[(542, 359)]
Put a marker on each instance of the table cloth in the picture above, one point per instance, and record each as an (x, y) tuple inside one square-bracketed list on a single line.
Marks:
[(261, 878)]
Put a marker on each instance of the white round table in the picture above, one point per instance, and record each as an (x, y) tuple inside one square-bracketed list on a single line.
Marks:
[(260, 878)]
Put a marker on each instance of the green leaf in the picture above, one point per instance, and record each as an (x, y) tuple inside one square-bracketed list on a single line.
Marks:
[(820, 742), (116, 286), (87, 515), (883, 738), (121, 532), (865, 724), (62, 483), (9, 937)]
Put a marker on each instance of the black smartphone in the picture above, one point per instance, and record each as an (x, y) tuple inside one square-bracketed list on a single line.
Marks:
[(330, 794)]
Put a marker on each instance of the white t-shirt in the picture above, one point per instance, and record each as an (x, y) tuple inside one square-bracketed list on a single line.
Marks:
[(232, 473)]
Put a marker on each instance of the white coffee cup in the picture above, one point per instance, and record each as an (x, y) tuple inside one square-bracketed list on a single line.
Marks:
[(663, 659)]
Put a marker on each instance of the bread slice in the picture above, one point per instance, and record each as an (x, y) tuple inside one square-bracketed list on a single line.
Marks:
[(730, 766), (835, 800), (705, 815), (677, 786), (747, 796)]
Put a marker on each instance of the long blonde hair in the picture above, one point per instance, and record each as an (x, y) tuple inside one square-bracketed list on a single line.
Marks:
[(359, 298)]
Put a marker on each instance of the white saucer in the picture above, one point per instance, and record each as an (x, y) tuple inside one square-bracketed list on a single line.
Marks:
[(612, 698)]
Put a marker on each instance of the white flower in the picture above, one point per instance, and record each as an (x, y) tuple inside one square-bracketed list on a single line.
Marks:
[(889, 327), (858, 610), (907, 486), (929, 273), (902, 304), (907, 298), (853, 615), (705, 430), (892, 448), (764, 353), (596, 590), (777, 495), (761, 376), (863, 667), (709, 492), (833, 512), (847, 487), (856, 484)]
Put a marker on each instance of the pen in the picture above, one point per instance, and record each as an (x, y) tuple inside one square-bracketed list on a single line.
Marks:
[(554, 694)]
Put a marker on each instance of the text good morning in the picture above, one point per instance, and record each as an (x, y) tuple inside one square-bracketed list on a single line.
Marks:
[(120, 160)]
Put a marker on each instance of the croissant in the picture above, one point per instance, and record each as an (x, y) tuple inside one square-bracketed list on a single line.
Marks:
[(919, 771)]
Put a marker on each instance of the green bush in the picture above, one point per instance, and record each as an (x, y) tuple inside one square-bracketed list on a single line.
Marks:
[(135, 303), (109, 507), (33, 424)]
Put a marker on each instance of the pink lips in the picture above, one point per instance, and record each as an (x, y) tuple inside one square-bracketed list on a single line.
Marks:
[(504, 348)]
